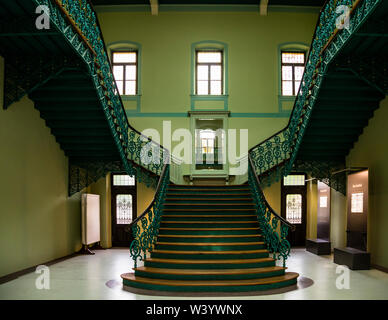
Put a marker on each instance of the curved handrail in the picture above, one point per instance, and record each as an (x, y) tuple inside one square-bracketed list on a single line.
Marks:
[(145, 228), (280, 149), (157, 191), (119, 96), (291, 226)]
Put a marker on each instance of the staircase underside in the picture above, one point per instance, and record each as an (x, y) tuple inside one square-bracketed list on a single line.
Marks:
[(209, 241), (352, 90)]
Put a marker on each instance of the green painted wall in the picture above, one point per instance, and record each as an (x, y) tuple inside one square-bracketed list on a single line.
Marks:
[(371, 151), (253, 45), (38, 222)]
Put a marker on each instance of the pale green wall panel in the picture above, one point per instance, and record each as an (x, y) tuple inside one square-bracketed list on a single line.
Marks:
[(167, 39), (38, 222), (371, 151)]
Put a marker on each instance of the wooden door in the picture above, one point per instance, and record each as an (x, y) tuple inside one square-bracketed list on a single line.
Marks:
[(123, 194), (294, 204)]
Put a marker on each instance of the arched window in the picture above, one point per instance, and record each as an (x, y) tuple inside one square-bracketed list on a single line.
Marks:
[(209, 79), (125, 57), (292, 59)]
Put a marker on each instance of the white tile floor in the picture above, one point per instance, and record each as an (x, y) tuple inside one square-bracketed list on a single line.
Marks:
[(98, 277)]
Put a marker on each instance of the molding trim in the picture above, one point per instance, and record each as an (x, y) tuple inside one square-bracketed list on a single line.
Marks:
[(206, 8), (380, 268), (17, 274), (135, 114)]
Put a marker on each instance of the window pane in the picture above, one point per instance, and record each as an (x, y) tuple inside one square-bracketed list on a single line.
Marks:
[(123, 209), (294, 208), (203, 87), (294, 180), (216, 73), (120, 86), (124, 57), (297, 85), (118, 72), (130, 87), (292, 57), (130, 73), (203, 73), (123, 180), (215, 88), (298, 73), (287, 88), (286, 73), (209, 57)]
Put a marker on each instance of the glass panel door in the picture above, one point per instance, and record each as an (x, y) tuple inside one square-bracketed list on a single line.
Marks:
[(124, 208)]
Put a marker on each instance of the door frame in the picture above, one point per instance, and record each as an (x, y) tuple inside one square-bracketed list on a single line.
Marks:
[(300, 228), (116, 190)]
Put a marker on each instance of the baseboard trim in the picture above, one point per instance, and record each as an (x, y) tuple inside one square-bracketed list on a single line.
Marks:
[(17, 274), (380, 268)]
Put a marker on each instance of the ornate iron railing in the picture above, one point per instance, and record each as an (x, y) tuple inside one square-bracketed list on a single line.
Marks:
[(77, 21), (145, 228), (273, 227), (274, 157)]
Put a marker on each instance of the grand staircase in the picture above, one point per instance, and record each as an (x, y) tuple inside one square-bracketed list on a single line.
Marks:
[(196, 239), (209, 241)]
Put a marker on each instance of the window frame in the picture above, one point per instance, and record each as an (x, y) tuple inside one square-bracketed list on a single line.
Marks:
[(209, 64), (293, 65), (125, 64)]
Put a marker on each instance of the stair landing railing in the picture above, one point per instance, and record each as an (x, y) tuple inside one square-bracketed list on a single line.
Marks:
[(275, 156), (77, 21)]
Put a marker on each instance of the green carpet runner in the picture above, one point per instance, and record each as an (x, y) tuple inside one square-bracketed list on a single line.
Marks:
[(209, 241)]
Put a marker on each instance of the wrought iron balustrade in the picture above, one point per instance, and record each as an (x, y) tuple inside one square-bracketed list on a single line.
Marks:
[(275, 157), (145, 228), (78, 22), (274, 228)]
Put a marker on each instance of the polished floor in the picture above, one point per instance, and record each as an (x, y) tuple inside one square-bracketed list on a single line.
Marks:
[(98, 277)]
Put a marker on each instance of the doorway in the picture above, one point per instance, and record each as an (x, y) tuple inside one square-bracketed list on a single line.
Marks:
[(209, 144), (124, 208), (294, 204)]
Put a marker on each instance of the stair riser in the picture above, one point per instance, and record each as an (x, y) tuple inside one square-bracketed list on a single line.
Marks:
[(208, 256), (209, 207), (204, 192), (215, 218), (193, 240), (208, 288), (209, 225), (208, 201), (189, 247), (207, 212), (174, 195), (209, 277), (188, 233), (215, 266)]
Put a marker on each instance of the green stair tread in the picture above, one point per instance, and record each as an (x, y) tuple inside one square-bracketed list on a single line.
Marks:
[(209, 216), (208, 229), (206, 252), (209, 271), (207, 222), (209, 204), (214, 209), (211, 243), (192, 261), (211, 236), (209, 199), (194, 283), (210, 194)]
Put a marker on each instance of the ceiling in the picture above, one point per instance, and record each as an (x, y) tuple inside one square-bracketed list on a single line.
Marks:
[(308, 3)]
